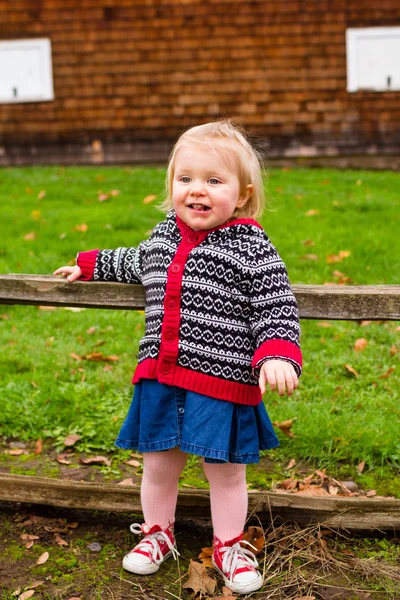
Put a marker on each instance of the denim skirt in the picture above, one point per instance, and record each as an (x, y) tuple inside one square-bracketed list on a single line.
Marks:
[(162, 417)]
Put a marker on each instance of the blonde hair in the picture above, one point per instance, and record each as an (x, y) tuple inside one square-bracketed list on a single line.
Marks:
[(226, 138)]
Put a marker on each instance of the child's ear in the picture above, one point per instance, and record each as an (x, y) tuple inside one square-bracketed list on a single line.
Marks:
[(249, 189)]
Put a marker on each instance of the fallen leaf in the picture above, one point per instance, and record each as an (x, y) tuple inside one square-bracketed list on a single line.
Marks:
[(205, 556), (63, 461), (133, 463), (334, 258), (46, 308), (75, 598), (71, 439), (29, 545), (365, 323), (82, 227), (43, 558), (26, 595), (371, 493), (75, 356), (33, 384), (255, 535), (393, 350), (60, 541), (386, 375), (128, 481), (305, 598), (309, 257), (312, 213), (36, 584), (226, 592), (351, 370), (114, 193), (38, 446), (291, 464), (312, 490), (149, 199), (308, 243), (96, 460), (199, 581), (324, 324), (360, 466), (30, 236), (102, 197), (41, 195), (333, 490), (16, 452), (99, 356), (29, 536), (91, 330), (285, 427), (360, 344), (17, 592)]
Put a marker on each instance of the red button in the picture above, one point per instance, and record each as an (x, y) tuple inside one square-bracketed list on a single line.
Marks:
[(175, 268), (192, 239), (171, 304), (169, 335), (165, 368)]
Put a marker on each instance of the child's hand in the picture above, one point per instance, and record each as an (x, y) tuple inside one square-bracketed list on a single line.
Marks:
[(279, 374), (71, 273)]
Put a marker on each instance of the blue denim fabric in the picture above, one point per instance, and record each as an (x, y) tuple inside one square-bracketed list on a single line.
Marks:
[(162, 417)]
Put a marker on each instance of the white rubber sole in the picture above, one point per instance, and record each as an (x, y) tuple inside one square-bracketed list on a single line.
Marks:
[(140, 568), (244, 588)]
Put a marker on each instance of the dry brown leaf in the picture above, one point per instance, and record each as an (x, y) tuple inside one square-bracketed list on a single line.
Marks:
[(96, 460), (75, 356), (43, 558), (17, 592), (308, 243), (15, 451), (82, 228), (360, 344), (255, 536), (128, 481), (312, 212), (41, 195), (91, 330), (29, 545), (133, 463), (38, 446), (386, 375), (29, 536), (71, 439), (351, 370), (63, 461), (393, 350), (285, 427), (360, 466), (309, 257), (99, 356), (371, 493), (305, 598), (333, 490), (114, 193), (312, 490), (36, 584), (324, 324), (291, 464), (75, 598), (226, 592), (199, 581), (47, 308), (60, 541), (149, 199), (30, 236), (365, 323), (26, 595)]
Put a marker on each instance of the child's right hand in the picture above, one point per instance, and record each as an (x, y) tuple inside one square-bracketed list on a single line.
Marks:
[(70, 273)]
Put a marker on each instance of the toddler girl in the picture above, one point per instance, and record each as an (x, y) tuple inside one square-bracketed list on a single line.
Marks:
[(221, 324)]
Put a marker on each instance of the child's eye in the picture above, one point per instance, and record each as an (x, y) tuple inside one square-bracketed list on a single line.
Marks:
[(185, 179), (214, 181)]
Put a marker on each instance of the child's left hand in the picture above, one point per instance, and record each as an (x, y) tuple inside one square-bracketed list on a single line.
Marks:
[(280, 375)]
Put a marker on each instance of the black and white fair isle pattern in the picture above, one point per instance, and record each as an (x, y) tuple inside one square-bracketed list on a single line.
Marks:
[(235, 296)]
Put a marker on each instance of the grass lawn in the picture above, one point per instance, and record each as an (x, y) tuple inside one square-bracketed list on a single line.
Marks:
[(48, 214)]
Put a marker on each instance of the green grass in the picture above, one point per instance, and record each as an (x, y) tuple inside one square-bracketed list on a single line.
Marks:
[(340, 419)]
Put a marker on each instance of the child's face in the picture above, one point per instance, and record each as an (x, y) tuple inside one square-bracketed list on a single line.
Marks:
[(205, 188)]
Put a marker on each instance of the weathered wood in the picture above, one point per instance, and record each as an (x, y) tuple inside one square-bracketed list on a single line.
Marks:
[(347, 513), (315, 301)]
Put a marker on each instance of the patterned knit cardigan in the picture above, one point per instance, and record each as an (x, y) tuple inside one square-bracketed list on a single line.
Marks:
[(218, 304)]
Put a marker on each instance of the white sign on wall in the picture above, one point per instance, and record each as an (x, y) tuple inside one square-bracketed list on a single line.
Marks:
[(373, 59), (26, 71)]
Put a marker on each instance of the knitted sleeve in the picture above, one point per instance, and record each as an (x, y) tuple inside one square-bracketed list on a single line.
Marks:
[(123, 264), (274, 315)]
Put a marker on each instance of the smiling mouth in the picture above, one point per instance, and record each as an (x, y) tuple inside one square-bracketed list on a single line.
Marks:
[(199, 207)]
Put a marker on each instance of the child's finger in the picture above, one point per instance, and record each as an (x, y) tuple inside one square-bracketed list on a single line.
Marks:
[(261, 382), (281, 381), (63, 271), (271, 378), (289, 383)]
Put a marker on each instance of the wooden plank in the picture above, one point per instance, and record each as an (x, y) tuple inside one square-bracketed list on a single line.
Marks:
[(374, 302), (353, 513)]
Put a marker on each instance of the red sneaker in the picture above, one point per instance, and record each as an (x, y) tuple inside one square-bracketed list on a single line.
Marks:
[(157, 545), (237, 565)]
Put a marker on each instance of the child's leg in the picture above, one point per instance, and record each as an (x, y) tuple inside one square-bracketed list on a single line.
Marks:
[(159, 491), (228, 496)]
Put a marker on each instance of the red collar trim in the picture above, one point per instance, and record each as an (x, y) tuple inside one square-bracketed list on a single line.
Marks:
[(185, 228)]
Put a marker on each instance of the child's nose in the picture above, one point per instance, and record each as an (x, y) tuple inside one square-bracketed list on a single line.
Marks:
[(197, 189)]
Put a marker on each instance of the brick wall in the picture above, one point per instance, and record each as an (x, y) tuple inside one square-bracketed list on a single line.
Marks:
[(129, 75)]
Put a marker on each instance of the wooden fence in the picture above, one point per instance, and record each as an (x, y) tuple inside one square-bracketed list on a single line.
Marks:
[(314, 301)]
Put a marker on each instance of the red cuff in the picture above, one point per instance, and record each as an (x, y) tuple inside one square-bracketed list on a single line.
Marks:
[(87, 261), (279, 349)]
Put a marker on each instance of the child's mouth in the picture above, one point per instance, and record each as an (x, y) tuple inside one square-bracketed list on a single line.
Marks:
[(199, 207)]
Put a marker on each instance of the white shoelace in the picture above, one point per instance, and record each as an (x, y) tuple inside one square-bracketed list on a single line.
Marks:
[(236, 556), (151, 543)]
